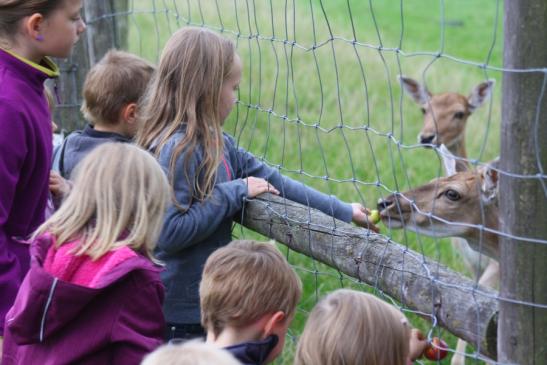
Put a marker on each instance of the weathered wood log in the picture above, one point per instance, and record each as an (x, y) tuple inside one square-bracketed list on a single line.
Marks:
[(424, 285)]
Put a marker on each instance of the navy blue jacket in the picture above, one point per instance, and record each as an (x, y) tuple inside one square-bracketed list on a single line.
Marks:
[(189, 237), (253, 353), (79, 144)]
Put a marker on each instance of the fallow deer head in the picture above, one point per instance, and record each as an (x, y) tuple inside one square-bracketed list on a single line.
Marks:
[(446, 114), (453, 206)]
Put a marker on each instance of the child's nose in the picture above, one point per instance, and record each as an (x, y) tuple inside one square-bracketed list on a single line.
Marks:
[(82, 27)]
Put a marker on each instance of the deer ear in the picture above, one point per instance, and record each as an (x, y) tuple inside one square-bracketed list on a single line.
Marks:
[(489, 181), (449, 161), (480, 94), (413, 88)]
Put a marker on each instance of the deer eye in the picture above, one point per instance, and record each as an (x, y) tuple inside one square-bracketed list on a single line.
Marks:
[(423, 110), (459, 115), (452, 195)]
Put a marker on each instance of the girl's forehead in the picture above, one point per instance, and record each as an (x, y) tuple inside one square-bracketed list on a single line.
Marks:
[(72, 5)]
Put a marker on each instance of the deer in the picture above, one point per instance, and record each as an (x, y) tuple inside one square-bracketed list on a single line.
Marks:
[(446, 114), (445, 121), (453, 206)]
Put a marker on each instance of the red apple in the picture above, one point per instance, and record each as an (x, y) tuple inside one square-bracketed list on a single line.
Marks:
[(436, 350)]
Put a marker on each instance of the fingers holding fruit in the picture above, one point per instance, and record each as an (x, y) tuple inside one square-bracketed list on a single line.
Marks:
[(360, 216), (436, 350), (418, 344)]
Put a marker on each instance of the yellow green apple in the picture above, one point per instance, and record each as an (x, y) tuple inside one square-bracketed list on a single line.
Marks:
[(374, 216)]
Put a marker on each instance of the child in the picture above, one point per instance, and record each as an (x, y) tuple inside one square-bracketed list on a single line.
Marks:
[(191, 95), (189, 353), (112, 90), (249, 294), (93, 294), (30, 31), (350, 327)]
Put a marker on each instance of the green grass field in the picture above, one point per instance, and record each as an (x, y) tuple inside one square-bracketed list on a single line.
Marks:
[(323, 93)]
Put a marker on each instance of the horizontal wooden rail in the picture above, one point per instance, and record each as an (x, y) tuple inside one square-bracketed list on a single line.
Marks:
[(419, 283)]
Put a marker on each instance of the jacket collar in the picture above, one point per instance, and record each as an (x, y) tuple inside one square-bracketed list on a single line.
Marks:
[(35, 73), (255, 352), (92, 132)]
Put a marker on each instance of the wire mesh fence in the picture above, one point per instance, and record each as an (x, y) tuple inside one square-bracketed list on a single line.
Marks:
[(321, 100)]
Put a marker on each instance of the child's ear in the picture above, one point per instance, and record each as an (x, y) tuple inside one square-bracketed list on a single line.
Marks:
[(273, 322), (129, 113), (32, 25)]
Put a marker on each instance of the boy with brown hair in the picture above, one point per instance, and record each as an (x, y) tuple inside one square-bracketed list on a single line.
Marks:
[(111, 92), (248, 296)]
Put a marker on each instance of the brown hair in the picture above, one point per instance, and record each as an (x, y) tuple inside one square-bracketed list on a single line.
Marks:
[(12, 11), (186, 91), (351, 327), (118, 79), (244, 281)]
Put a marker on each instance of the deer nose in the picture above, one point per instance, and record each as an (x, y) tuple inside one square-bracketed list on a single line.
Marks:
[(383, 204), (427, 139)]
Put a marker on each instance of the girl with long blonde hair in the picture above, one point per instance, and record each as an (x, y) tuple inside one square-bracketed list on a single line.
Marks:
[(348, 327), (193, 92), (93, 294)]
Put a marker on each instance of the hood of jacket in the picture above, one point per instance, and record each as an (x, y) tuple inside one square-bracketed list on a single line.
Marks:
[(45, 304)]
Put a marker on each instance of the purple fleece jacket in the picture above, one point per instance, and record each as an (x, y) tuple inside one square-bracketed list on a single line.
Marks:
[(117, 321), (25, 155)]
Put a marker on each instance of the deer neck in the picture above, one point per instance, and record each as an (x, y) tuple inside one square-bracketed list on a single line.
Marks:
[(486, 241), (457, 148)]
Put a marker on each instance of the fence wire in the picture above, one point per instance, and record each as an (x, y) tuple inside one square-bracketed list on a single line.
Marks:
[(320, 101)]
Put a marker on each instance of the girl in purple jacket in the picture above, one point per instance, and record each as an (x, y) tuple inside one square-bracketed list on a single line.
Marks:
[(30, 30), (93, 294)]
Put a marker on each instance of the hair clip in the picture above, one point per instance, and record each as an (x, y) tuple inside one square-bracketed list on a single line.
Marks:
[(39, 37)]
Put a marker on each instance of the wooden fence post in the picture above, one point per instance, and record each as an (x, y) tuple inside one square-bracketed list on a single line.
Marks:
[(107, 27), (523, 201)]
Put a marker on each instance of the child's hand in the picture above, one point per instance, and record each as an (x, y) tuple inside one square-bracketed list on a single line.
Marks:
[(418, 344), (257, 186), (361, 217), (58, 186)]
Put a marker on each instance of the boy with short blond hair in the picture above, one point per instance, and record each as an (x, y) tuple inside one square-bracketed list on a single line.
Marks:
[(112, 91), (248, 297)]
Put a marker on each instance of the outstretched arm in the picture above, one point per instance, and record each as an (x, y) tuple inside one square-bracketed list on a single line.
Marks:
[(245, 164)]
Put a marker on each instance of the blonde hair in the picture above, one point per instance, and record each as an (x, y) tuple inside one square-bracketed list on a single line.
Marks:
[(350, 328), (190, 353), (244, 281), (186, 91), (118, 79), (118, 199), (50, 99)]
